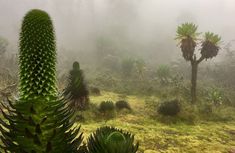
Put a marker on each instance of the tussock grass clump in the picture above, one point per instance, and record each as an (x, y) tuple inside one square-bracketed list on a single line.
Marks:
[(107, 109), (106, 106), (169, 108), (121, 104)]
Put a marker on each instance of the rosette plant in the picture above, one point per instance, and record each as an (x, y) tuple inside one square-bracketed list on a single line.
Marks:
[(111, 140), (210, 45), (39, 121)]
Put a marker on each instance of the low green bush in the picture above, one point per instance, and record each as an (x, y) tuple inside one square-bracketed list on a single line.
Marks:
[(122, 104), (107, 109), (106, 106), (169, 108)]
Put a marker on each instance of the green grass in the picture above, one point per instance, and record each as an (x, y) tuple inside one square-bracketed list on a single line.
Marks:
[(200, 137), (158, 137)]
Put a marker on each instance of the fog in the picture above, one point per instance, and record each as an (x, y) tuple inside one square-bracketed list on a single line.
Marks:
[(143, 28)]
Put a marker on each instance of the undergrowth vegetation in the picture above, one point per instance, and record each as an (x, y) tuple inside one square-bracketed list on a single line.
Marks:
[(191, 129), (121, 104), (41, 120), (114, 100), (169, 108)]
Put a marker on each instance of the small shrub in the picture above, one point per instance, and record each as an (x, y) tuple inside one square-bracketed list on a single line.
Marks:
[(169, 108), (106, 107), (215, 96), (122, 105), (163, 73)]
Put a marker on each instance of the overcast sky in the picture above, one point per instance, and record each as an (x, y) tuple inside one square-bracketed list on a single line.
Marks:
[(143, 22)]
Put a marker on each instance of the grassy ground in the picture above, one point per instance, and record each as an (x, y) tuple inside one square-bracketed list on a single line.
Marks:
[(154, 136)]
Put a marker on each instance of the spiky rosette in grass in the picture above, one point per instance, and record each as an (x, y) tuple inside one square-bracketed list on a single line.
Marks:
[(187, 34), (111, 140), (39, 122), (210, 45)]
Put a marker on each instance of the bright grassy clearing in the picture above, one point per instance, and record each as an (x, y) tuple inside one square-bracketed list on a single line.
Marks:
[(203, 137)]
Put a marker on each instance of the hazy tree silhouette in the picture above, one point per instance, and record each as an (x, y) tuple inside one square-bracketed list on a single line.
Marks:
[(188, 36)]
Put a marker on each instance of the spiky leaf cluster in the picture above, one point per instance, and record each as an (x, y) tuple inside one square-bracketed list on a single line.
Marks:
[(38, 126), (76, 91), (187, 34), (39, 122), (210, 44), (111, 140), (37, 56), (186, 30)]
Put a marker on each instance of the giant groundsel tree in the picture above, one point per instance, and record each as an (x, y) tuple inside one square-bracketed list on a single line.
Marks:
[(189, 39), (39, 121)]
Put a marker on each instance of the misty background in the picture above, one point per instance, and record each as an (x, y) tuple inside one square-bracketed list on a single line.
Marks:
[(140, 28)]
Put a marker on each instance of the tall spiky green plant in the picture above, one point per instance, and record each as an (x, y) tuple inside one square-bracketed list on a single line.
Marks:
[(40, 121), (37, 56), (76, 91)]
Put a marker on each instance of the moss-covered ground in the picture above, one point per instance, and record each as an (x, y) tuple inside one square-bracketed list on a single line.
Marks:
[(155, 136)]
